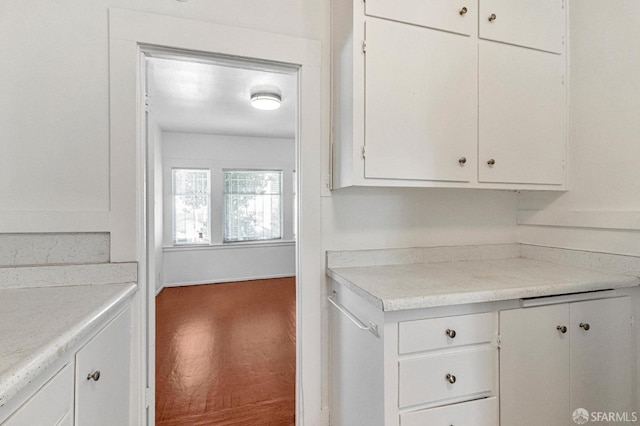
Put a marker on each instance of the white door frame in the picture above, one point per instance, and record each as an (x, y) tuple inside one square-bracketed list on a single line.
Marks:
[(128, 31)]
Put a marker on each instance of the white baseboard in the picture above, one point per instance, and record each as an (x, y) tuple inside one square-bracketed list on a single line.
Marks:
[(227, 280)]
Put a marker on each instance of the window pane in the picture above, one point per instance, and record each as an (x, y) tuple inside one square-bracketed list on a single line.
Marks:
[(252, 205), (191, 199)]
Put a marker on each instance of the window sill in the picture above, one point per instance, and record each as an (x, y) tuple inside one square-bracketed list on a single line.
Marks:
[(226, 246)]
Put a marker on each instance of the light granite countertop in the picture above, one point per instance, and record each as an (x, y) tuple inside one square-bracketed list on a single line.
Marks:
[(39, 325), (422, 285)]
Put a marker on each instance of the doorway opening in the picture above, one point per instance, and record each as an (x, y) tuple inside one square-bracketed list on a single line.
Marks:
[(221, 236)]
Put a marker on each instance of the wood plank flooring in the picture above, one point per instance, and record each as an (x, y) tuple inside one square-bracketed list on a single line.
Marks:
[(225, 354)]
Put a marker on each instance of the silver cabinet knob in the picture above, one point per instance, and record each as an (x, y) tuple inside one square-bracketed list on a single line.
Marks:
[(95, 375), (585, 326), (463, 11), (462, 160), (491, 162), (492, 17), (450, 332), (562, 329), (450, 378)]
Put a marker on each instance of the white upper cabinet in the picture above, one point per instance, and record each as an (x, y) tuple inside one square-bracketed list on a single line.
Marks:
[(458, 16), (420, 109), (539, 24), (430, 93), (522, 115)]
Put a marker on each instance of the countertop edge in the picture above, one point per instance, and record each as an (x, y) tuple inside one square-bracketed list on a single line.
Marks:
[(484, 296), (16, 378)]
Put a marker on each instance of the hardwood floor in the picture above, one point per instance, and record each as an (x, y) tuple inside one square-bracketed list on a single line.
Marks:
[(225, 354)]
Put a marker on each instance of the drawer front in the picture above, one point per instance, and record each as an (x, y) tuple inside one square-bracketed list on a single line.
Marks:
[(430, 334), (481, 412), (441, 377)]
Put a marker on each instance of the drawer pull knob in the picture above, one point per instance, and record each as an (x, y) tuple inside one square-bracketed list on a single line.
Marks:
[(450, 332), (463, 11), (450, 378), (562, 329), (585, 326), (95, 375), (462, 160), (491, 162), (492, 17)]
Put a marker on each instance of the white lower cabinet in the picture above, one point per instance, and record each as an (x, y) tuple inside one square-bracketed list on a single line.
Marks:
[(50, 405), (91, 389), (506, 363), (103, 376), (422, 367), (559, 358)]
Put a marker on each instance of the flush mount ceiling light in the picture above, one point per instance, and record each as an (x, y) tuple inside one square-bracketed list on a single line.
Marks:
[(265, 101)]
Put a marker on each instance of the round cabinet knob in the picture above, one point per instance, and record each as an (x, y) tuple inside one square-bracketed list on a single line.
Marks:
[(585, 326), (463, 11), (562, 329), (450, 378), (462, 160), (491, 162), (451, 333), (95, 375), (492, 17)]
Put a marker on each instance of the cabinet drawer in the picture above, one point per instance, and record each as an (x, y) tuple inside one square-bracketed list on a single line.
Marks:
[(430, 334), (482, 412), (429, 379), (458, 16), (51, 405)]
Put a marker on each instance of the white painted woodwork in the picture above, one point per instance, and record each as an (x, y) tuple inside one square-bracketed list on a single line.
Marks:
[(522, 115), (423, 380), (372, 384), (418, 99), (545, 375), (357, 364), (439, 14), (602, 360), (420, 108), (105, 401), (430, 334), (50, 405), (536, 24), (534, 366), (480, 412)]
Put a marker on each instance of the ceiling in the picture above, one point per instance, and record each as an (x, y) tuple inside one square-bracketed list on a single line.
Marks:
[(206, 96)]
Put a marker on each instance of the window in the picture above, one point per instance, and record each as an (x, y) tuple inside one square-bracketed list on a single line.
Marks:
[(191, 200), (252, 205)]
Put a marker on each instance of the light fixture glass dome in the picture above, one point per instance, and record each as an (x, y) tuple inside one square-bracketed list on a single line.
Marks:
[(265, 101)]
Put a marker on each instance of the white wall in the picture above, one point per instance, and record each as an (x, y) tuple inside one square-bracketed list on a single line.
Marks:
[(54, 99), (601, 210), (361, 218), (221, 262)]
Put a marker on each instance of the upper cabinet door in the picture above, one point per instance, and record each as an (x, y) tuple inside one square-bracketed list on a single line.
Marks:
[(420, 109), (538, 24), (458, 16), (522, 115)]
